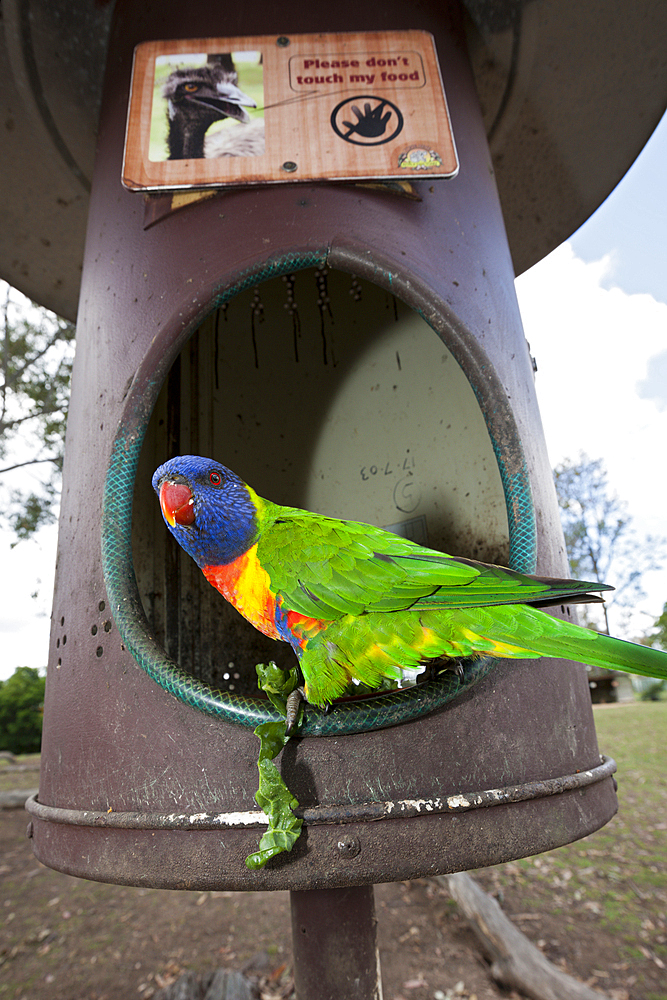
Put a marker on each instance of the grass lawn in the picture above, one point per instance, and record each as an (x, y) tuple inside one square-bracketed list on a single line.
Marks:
[(617, 877)]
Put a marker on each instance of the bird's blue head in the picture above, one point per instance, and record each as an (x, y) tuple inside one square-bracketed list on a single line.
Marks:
[(207, 508)]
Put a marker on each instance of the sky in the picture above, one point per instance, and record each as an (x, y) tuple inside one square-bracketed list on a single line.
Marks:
[(595, 315)]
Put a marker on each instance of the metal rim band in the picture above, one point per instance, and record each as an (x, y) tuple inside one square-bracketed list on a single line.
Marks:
[(319, 815), (353, 716)]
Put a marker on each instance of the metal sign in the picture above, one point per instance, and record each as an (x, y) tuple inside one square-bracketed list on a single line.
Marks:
[(267, 109)]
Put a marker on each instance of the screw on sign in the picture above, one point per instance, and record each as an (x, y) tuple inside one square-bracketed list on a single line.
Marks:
[(378, 122)]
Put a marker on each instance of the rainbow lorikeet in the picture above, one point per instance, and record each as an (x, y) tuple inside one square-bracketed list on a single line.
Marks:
[(360, 604)]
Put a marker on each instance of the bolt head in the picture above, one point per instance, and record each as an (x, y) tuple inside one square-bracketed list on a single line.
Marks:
[(348, 846)]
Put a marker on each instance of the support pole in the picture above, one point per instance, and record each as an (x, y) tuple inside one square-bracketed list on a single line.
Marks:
[(335, 944)]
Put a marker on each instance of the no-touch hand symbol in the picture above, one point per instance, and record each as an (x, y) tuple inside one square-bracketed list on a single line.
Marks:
[(377, 122)]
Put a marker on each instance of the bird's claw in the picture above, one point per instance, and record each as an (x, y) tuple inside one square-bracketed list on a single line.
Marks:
[(294, 701)]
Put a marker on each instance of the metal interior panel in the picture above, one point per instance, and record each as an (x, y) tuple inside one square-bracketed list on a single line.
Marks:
[(352, 407)]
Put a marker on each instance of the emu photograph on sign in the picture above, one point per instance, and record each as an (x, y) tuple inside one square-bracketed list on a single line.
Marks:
[(269, 109), (207, 106)]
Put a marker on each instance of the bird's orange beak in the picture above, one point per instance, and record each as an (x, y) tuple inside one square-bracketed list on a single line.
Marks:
[(177, 503)]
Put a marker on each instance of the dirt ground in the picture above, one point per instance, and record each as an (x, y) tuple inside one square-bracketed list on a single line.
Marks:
[(63, 938), (597, 909)]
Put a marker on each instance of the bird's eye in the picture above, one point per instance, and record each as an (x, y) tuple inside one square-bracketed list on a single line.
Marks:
[(190, 87), (214, 478)]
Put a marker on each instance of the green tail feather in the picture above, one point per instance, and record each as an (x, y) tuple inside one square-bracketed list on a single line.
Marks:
[(552, 637)]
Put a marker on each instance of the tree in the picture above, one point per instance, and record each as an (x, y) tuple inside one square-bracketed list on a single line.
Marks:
[(21, 705), (650, 689), (658, 637), (601, 543), (36, 354)]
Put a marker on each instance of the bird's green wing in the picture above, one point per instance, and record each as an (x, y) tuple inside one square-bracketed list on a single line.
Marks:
[(326, 568)]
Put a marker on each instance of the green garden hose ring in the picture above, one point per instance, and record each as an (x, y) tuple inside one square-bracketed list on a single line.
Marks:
[(346, 716)]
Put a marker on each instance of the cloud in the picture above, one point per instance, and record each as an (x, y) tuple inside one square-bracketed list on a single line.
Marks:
[(595, 350), (654, 386), (602, 378), (24, 621)]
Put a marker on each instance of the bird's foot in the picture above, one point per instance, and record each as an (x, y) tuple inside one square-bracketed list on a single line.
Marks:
[(294, 701)]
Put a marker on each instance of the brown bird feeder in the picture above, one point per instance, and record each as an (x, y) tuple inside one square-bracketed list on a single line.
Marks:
[(350, 347)]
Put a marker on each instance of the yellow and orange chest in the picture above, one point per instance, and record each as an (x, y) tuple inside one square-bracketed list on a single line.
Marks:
[(247, 586)]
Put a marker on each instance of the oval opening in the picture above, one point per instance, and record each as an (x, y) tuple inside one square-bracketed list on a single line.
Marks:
[(324, 391)]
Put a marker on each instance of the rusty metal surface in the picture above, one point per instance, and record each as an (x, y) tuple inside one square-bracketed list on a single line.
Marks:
[(112, 739), (363, 812), (327, 856), (334, 939)]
